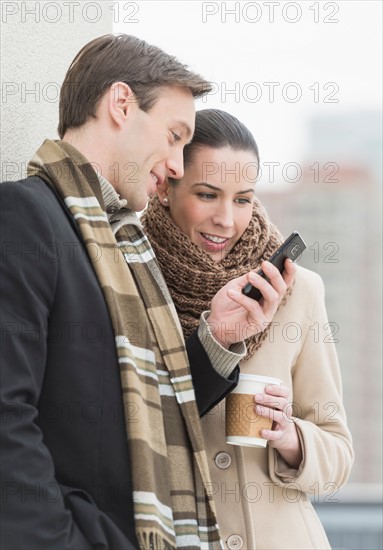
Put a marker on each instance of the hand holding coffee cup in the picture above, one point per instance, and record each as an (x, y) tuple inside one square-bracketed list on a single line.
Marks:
[(244, 424), (275, 404)]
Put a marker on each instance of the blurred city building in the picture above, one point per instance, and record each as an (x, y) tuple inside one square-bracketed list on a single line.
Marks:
[(340, 225), (337, 208)]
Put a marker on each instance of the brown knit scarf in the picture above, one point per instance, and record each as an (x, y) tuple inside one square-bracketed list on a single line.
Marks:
[(193, 277)]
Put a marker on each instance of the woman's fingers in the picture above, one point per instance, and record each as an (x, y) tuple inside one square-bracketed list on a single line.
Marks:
[(289, 272), (276, 279), (274, 403)]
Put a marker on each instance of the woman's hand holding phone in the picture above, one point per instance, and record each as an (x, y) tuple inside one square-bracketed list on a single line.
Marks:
[(234, 316)]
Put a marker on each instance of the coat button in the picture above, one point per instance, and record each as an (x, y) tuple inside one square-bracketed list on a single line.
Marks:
[(234, 542), (222, 460)]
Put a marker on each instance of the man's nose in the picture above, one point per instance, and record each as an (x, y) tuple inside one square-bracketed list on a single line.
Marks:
[(175, 164)]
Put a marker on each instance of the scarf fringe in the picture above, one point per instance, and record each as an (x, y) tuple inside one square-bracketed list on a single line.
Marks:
[(149, 540)]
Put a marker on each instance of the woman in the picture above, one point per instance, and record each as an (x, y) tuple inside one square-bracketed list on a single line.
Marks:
[(207, 229)]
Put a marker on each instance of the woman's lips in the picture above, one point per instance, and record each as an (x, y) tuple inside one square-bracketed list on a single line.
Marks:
[(219, 243)]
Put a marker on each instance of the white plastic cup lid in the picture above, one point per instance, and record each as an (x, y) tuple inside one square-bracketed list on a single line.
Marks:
[(259, 378)]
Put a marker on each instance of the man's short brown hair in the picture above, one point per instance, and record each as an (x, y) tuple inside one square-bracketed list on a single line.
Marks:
[(120, 58)]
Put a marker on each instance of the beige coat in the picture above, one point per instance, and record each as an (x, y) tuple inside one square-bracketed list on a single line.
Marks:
[(261, 502)]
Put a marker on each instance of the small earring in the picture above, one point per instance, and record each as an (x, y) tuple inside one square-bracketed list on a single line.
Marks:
[(165, 200)]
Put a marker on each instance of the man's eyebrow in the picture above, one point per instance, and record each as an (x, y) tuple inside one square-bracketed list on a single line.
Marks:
[(187, 129), (220, 189)]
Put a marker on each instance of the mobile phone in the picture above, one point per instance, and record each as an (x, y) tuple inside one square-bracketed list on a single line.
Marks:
[(292, 248)]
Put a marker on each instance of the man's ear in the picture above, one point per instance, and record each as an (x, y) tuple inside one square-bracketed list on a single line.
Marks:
[(163, 192), (121, 100)]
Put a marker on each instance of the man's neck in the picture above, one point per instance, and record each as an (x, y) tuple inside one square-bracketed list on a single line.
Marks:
[(88, 143)]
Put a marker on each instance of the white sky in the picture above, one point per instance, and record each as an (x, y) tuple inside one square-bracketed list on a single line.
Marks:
[(343, 58)]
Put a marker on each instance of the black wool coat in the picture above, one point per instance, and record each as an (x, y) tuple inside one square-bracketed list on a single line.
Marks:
[(65, 470)]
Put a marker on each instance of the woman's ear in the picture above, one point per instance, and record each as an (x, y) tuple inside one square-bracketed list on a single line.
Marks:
[(121, 99), (163, 192)]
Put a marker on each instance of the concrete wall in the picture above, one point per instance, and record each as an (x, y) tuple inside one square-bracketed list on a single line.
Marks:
[(38, 42)]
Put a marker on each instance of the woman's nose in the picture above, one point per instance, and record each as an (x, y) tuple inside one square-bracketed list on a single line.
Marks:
[(224, 215)]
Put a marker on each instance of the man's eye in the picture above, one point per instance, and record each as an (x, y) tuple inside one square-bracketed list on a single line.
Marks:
[(176, 136)]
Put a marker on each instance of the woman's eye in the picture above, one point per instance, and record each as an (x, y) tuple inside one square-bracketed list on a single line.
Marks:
[(176, 137), (243, 200), (207, 196)]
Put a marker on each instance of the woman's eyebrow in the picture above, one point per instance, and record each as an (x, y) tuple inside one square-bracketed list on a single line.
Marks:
[(245, 191), (206, 185), (220, 189)]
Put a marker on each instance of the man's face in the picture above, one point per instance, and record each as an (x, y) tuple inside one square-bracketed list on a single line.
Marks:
[(150, 146)]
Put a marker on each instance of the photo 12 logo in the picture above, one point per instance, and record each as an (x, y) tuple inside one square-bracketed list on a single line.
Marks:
[(274, 92), (270, 12), (69, 12)]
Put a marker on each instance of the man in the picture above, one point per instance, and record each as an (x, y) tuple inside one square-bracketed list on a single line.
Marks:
[(101, 442)]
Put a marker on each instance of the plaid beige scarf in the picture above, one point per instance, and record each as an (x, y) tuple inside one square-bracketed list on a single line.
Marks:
[(193, 277), (172, 504)]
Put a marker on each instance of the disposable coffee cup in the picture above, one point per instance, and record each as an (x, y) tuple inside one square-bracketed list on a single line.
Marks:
[(243, 424)]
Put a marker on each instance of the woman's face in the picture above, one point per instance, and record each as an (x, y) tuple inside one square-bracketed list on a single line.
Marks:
[(212, 204)]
